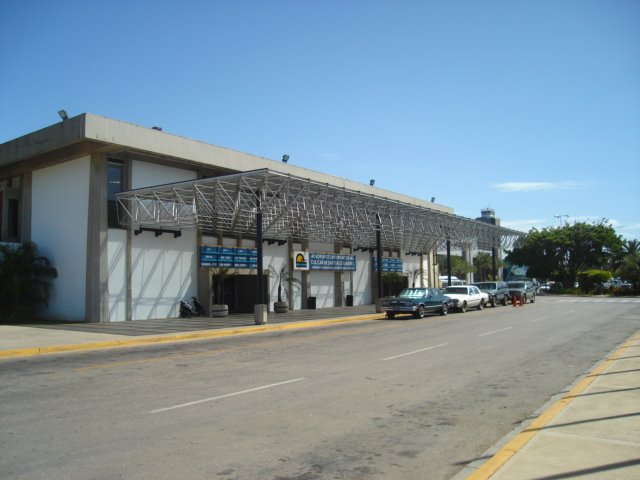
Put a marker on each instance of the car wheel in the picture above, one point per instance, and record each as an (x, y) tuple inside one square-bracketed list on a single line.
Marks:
[(444, 310), (481, 304), (493, 301), (390, 315), (420, 312), (463, 307)]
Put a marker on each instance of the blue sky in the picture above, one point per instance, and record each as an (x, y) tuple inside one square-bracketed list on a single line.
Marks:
[(531, 108)]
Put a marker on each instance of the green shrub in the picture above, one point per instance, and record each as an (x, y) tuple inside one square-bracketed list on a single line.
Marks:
[(25, 278), (592, 280)]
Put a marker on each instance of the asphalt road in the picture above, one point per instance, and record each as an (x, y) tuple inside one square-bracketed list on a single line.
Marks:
[(400, 399)]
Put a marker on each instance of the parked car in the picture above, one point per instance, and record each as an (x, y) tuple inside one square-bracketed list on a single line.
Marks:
[(466, 296), (444, 281), (522, 289), (498, 292), (417, 301)]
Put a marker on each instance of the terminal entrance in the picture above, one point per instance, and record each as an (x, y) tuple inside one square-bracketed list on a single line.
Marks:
[(241, 292)]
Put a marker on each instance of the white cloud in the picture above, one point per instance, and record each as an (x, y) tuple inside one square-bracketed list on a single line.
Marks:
[(630, 232), (536, 186), (329, 157), (524, 225)]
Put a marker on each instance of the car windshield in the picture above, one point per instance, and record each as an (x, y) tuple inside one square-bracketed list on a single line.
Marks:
[(485, 285), (462, 290), (516, 284), (413, 292)]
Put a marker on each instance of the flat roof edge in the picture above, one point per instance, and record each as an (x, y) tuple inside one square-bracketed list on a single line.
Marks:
[(104, 130), (41, 141)]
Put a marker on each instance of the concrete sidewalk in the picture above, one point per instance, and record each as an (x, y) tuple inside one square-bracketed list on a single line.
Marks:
[(593, 431), (40, 339)]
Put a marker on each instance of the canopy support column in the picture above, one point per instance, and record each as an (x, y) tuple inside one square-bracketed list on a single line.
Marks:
[(260, 309), (379, 259), (449, 262), (493, 263)]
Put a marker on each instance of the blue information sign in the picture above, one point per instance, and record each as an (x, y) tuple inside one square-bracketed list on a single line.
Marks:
[(332, 261), (389, 264), (228, 257)]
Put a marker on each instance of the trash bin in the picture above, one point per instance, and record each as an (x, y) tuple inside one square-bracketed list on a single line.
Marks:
[(311, 303), (349, 300)]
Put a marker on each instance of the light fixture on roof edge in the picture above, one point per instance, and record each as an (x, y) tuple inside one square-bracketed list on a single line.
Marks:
[(63, 115)]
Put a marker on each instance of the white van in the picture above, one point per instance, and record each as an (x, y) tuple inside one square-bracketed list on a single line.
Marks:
[(444, 281)]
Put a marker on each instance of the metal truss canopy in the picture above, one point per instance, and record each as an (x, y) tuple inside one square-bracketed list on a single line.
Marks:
[(295, 208)]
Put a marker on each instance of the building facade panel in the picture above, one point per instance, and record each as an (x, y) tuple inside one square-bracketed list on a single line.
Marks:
[(362, 278), (117, 267), (163, 271), (59, 222)]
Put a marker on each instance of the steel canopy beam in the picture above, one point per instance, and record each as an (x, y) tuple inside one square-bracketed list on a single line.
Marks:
[(302, 209)]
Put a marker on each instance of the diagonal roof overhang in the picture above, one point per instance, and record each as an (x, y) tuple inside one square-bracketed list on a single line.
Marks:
[(299, 209)]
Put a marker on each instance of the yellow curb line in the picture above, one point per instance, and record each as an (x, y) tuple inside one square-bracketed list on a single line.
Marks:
[(491, 466), (172, 337)]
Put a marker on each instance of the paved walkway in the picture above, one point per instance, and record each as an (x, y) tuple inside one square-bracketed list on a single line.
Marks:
[(38, 339), (593, 431)]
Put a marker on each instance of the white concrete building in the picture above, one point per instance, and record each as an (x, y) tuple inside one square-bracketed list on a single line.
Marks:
[(58, 188)]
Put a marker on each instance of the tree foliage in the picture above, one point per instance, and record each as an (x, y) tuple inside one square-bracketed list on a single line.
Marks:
[(459, 266), (393, 283), (592, 280), (25, 281), (483, 264), (562, 253), (629, 269)]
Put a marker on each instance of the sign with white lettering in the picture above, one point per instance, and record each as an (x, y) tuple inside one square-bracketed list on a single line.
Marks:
[(324, 261), (389, 264), (228, 257)]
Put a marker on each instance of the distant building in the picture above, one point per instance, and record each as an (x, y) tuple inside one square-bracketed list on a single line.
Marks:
[(488, 215)]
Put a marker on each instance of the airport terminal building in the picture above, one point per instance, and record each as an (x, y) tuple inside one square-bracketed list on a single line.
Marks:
[(135, 219)]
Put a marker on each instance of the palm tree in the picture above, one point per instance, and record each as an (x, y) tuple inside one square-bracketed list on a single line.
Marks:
[(483, 263), (282, 277), (415, 274), (25, 278), (631, 247)]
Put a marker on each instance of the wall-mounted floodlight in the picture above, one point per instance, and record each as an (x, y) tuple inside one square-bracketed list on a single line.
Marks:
[(63, 115), (371, 182), (285, 158), (433, 199)]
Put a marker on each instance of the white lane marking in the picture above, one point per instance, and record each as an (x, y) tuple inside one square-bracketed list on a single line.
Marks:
[(495, 331), (196, 402), (538, 319), (415, 351)]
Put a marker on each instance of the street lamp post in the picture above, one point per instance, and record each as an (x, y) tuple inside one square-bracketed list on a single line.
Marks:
[(559, 217)]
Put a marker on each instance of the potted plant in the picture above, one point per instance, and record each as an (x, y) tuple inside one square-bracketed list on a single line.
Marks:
[(415, 274), (282, 277), (219, 308)]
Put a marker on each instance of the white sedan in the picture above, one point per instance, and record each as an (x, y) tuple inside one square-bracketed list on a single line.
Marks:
[(466, 296)]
